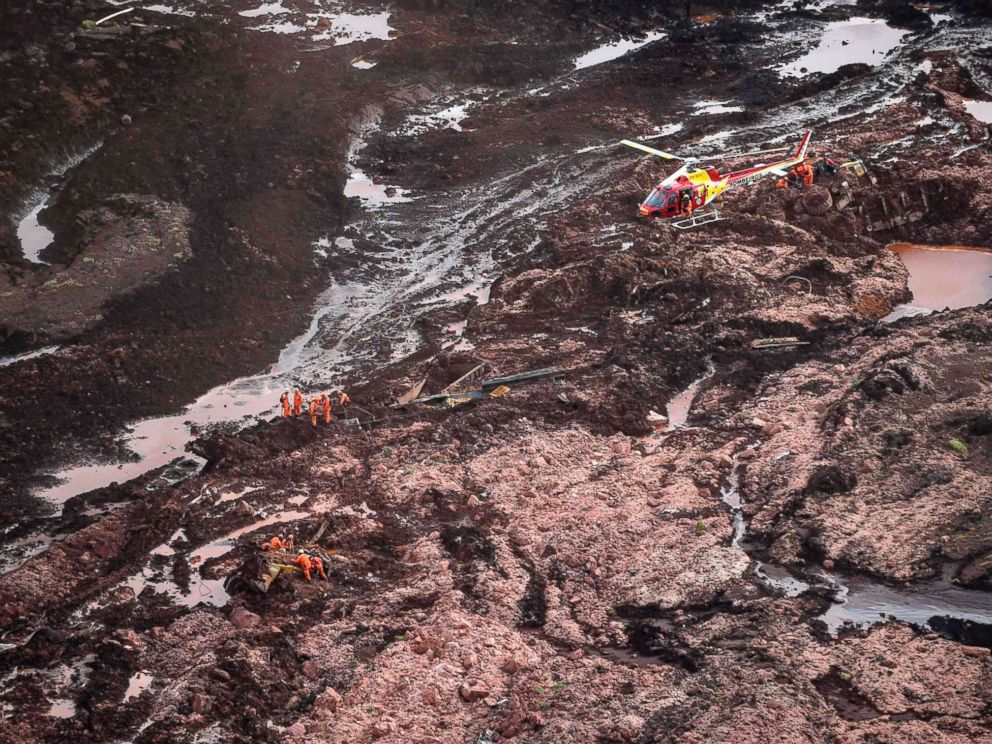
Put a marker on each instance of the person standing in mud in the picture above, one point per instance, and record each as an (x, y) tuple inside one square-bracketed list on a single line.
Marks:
[(325, 403), (297, 403), (285, 404), (313, 412)]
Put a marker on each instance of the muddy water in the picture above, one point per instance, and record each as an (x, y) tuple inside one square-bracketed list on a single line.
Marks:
[(943, 277), (614, 50), (864, 602), (981, 110), (678, 407), (860, 601), (34, 236), (6, 361), (856, 40)]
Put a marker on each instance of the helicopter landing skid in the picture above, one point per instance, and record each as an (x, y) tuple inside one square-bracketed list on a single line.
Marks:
[(697, 219)]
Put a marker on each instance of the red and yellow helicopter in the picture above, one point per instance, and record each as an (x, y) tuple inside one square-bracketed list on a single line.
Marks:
[(693, 186)]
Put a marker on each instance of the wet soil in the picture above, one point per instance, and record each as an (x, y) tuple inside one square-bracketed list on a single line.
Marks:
[(547, 564)]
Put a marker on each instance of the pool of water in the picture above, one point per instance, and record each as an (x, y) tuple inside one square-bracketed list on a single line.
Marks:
[(856, 40), (943, 277)]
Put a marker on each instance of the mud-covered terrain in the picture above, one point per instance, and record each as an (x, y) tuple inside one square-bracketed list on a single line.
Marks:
[(671, 533)]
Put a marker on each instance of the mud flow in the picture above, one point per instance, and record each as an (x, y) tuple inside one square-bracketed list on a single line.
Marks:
[(584, 475)]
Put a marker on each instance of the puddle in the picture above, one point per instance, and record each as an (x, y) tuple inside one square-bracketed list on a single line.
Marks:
[(864, 602), (6, 361), (348, 28), (169, 10), (361, 185), (614, 50), (449, 118), (715, 107), (264, 10), (62, 708), (34, 236), (138, 683), (981, 110), (943, 277), (678, 407), (225, 544), (864, 40), (235, 495)]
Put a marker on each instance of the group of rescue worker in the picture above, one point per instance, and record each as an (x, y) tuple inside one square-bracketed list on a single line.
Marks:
[(319, 406), (806, 171), (308, 561)]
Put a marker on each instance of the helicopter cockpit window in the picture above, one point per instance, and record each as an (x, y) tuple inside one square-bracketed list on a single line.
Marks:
[(654, 199)]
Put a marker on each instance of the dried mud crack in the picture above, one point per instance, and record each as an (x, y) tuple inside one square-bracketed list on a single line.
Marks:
[(206, 204)]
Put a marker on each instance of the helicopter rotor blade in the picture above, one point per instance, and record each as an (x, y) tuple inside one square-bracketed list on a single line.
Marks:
[(728, 155), (652, 151)]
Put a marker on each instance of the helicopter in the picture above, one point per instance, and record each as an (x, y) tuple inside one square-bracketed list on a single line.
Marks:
[(695, 185)]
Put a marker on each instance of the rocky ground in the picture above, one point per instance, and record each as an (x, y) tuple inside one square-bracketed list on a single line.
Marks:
[(551, 564)]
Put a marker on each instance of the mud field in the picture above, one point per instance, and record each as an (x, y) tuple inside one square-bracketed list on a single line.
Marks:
[(669, 534)]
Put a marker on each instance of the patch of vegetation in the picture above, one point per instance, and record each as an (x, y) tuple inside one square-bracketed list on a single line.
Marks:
[(958, 446)]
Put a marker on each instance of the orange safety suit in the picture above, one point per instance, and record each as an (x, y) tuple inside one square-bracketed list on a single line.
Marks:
[(806, 171), (274, 544), (781, 184), (326, 403), (313, 412), (285, 405), (318, 564), (297, 403), (343, 399), (289, 542), (304, 562)]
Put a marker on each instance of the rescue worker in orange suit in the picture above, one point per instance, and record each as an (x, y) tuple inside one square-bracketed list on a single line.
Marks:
[(285, 405), (297, 403), (343, 398), (781, 184), (686, 204), (313, 412), (325, 402), (805, 172), (289, 542), (318, 565), (305, 564), (276, 543)]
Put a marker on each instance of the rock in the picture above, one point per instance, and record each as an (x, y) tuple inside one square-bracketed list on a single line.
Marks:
[(975, 651), (771, 429), (126, 120), (384, 726), (470, 659), (758, 423), (311, 670), (242, 618), (470, 692), (323, 22), (328, 700), (220, 675), (297, 730), (202, 704)]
